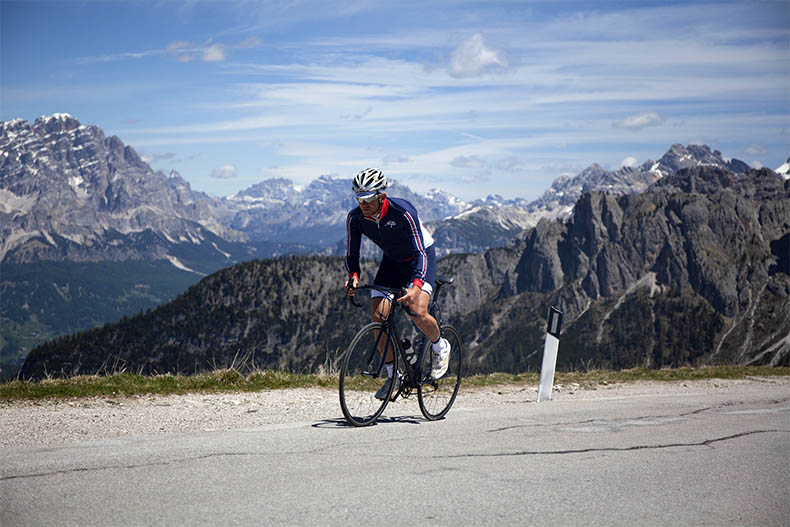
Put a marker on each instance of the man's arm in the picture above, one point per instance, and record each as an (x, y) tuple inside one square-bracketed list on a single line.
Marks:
[(353, 240), (418, 249)]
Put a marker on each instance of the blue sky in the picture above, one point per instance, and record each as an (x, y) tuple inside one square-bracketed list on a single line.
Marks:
[(470, 96)]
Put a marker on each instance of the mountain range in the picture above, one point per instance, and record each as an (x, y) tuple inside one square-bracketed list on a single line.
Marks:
[(90, 233), (70, 193), (695, 270)]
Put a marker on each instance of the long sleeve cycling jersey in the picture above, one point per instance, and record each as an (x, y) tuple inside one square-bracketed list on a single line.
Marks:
[(397, 231)]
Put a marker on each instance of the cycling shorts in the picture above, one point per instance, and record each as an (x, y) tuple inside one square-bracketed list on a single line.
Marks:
[(399, 274)]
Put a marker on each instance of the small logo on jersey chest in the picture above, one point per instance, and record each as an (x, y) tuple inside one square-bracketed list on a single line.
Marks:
[(390, 224)]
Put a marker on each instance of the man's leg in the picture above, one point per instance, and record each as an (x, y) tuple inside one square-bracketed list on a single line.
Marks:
[(379, 311), (425, 320), (440, 348)]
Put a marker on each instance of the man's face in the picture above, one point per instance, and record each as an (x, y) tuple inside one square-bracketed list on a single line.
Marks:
[(369, 208)]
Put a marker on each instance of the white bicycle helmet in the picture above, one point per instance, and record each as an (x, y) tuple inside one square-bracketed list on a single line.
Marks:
[(369, 182)]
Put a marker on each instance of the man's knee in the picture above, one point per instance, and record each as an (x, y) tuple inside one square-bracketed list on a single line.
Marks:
[(420, 308), (378, 310)]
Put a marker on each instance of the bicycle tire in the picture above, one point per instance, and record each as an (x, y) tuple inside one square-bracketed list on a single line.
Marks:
[(437, 396), (358, 382)]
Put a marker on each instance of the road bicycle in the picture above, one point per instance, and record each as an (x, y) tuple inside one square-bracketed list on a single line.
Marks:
[(363, 370)]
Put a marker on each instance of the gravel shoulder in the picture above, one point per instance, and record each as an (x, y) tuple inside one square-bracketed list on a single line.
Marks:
[(64, 421)]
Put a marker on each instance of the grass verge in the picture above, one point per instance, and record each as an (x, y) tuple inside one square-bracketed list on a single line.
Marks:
[(232, 381)]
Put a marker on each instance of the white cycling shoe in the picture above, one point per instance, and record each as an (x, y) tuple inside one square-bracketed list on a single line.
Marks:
[(441, 359)]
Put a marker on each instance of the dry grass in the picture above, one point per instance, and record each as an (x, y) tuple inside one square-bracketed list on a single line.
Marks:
[(230, 380)]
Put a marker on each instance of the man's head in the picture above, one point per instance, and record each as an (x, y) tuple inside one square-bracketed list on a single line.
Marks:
[(368, 187), (372, 204)]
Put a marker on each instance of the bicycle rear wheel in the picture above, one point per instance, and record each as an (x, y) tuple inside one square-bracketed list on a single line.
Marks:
[(363, 373), (437, 396)]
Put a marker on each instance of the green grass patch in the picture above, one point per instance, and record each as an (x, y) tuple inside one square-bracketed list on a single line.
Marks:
[(122, 384), (132, 384)]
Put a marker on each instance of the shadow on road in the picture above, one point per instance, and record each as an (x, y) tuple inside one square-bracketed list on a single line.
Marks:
[(342, 423)]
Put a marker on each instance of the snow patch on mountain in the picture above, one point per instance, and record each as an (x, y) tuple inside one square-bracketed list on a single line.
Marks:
[(226, 255), (784, 169), (177, 263)]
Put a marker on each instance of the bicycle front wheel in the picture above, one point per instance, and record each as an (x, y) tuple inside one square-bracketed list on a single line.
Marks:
[(363, 374), (436, 396)]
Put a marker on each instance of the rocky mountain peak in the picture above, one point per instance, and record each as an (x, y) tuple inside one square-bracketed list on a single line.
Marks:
[(58, 122), (565, 190), (679, 157), (268, 189), (592, 171), (66, 189)]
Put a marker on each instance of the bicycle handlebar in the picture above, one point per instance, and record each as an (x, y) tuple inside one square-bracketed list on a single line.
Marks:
[(396, 291)]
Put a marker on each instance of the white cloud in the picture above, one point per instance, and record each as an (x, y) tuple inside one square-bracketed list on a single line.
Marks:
[(467, 162), (214, 53), (394, 159), (153, 158), (359, 115), (639, 121), (178, 50), (252, 42), (630, 161), (754, 150), (224, 172), (510, 164), (473, 58), (178, 45)]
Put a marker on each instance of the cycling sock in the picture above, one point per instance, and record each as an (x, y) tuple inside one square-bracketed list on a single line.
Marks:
[(435, 345), (388, 365)]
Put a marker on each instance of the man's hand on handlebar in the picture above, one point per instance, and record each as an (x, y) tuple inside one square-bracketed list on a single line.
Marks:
[(351, 286), (410, 297)]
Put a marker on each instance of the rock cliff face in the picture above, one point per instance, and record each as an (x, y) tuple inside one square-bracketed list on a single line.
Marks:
[(703, 227), (704, 239), (70, 193), (695, 270)]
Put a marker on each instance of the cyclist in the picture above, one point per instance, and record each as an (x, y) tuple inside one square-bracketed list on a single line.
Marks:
[(409, 261)]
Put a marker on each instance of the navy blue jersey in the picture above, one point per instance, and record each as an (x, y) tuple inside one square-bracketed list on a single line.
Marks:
[(398, 232)]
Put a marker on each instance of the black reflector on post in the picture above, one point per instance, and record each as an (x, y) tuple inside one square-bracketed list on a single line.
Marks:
[(555, 322)]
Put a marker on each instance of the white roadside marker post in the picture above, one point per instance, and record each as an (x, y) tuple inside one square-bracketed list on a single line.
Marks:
[(550, 354)]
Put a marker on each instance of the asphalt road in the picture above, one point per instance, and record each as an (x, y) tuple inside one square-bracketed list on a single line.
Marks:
[(659, 459)]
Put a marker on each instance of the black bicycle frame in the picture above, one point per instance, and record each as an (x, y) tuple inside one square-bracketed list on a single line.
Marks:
[(390, 328)]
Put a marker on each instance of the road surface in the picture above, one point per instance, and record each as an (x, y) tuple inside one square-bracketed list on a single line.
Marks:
[(673, 456)]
